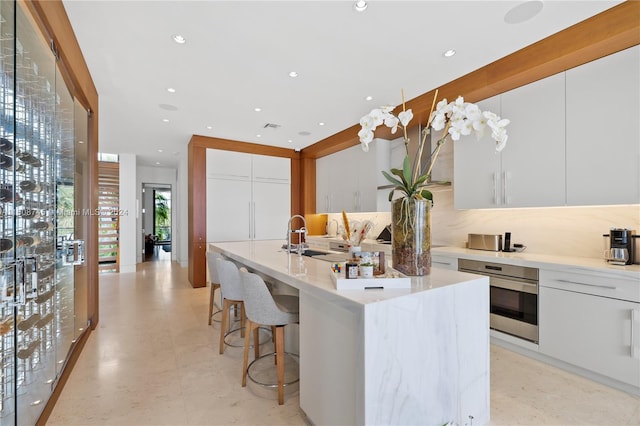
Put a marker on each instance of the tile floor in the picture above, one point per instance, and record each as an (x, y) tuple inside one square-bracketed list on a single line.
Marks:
[(153, 360)]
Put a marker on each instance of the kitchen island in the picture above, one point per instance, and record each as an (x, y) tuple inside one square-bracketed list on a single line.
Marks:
[(392, 356)]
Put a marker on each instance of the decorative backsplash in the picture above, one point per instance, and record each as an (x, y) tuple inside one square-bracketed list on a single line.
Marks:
[(562, 231)]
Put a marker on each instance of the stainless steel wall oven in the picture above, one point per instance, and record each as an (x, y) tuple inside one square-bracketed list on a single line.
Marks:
[(513, 296)]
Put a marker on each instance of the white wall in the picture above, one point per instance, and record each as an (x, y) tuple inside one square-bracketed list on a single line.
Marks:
[(156, 175), (127, 232)]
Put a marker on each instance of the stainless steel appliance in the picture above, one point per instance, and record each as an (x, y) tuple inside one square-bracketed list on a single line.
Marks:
[(620, 246), (488, 242), (513, 296)]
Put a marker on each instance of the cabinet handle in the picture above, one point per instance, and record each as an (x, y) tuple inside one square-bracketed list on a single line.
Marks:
[(254, 220), (635, 351), (504, 188), (249, 219), (495, 189), (441, 263), (608, 287)]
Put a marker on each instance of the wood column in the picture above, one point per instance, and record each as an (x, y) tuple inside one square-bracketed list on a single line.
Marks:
[(197, 214)]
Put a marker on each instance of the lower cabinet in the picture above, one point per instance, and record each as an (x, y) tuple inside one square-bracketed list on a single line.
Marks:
[(600, 334), (445, 262)]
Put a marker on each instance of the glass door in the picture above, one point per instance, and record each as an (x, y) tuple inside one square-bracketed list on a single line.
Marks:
[(34, 219), (7, 269), (43, 168)]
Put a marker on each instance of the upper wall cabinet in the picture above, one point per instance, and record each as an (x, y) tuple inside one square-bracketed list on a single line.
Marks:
[(348, 180), (574, 139), (603, 130), (477, 166), (529, 172), (534, 158)]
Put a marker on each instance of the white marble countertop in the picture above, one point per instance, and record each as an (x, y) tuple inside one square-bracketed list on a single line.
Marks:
[(534, 260), (314, 276), (542, 261)]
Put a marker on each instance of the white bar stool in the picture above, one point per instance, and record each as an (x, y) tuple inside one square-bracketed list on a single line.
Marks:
[(231, 291), (214, 281), (262, 310)]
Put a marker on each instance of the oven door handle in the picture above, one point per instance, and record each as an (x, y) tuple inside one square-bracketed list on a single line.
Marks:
[(524, 287)]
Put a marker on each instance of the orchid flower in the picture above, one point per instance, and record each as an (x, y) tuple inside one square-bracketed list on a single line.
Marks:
[(456, 119)]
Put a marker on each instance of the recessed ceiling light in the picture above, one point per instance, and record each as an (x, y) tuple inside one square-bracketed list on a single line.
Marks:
[(368, 98), (171, 90), (209, 127), (321, 124), (157, 163), (179, 39), (166, 120), (159, 150), (293, 74), (258, 136), (257, 109), (360, 6), (290, 141), (449, 53)]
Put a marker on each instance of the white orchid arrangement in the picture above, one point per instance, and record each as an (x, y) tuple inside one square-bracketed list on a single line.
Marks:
[(455, 119)]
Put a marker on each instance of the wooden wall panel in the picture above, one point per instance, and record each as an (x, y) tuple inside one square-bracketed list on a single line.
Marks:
[(197, 214), (197, 188), (231, 145)]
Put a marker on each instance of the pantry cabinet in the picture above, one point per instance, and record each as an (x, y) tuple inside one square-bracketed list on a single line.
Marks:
[(248, 196), (592, 322), (529, 171), (603, 134)]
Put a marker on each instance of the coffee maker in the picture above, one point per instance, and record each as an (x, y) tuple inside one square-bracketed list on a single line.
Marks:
[(620, 250)]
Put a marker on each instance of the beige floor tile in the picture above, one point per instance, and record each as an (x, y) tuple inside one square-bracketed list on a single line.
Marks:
[(153, 360)]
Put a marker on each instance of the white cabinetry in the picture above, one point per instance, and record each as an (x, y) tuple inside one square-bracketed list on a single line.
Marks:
[(574, 139), (533, 161), (603, 134), (592, 322), (228, 164), (348, 180), (445, 262), (248, 196), (529, 172), (477, 166)]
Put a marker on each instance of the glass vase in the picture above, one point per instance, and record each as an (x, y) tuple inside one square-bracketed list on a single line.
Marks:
[(411, 236)]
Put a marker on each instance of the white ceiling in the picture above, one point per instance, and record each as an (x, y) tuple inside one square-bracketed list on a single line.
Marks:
[(238, 56)]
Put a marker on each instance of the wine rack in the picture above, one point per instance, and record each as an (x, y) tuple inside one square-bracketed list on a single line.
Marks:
[(37, 198)]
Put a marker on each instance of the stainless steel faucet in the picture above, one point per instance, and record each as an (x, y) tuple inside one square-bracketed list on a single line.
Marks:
[(302, 232)]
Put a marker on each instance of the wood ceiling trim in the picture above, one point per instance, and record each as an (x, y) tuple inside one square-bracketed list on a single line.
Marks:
[(253, 148), (613, 30)]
